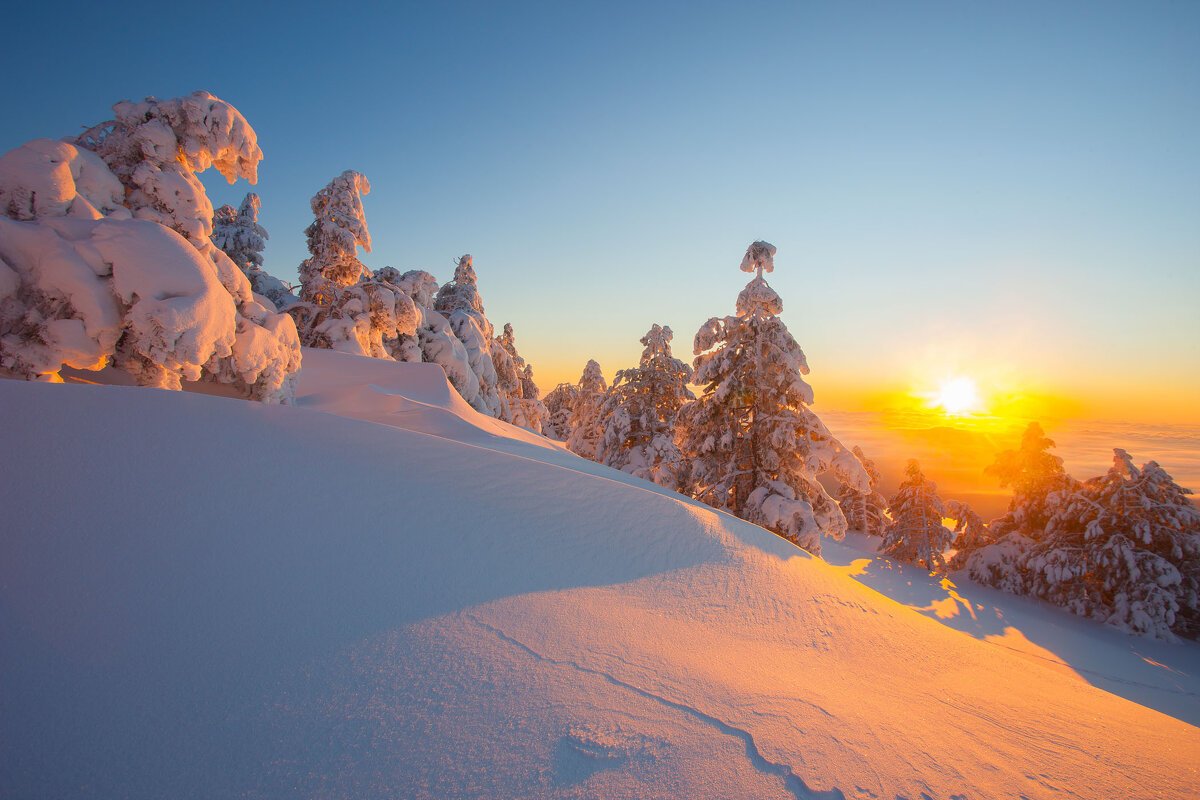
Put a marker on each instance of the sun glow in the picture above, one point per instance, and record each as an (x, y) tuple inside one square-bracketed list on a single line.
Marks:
[(957, 397)]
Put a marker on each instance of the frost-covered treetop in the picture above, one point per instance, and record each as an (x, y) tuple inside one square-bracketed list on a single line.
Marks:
[(657, 341), (464, 270), (206, 132), (758, 298), (592, 379), (339, 227), (339, 211), (155, 147), (760, 258), (462, 294), (236, 231)]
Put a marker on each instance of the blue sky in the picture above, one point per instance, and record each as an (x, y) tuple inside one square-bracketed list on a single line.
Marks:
[(1006, 189)]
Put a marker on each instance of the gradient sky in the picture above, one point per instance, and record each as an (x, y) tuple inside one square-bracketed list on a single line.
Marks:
[(1009, 190)]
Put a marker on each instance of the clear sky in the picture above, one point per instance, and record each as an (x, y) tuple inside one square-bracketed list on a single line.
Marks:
[(1007, 190)]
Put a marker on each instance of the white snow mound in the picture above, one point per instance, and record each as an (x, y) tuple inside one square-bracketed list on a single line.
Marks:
[(381, 593)]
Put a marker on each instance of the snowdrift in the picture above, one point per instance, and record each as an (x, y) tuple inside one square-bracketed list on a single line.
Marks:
[(382, 593)]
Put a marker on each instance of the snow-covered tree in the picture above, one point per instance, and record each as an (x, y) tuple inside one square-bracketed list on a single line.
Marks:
[(755, 448), (586, 434), (520, 394), (640, 412), (559, 401), (970, 532), (343, 306), (864, 511), (1035, 475), (433, 341), (237, 233), (460, 303), (1123, 548), (107, 256), (916, 533)]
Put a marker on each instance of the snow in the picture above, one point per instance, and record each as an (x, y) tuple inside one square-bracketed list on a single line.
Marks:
[(379, 592)]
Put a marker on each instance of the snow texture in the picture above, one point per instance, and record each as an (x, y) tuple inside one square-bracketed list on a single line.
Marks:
[(503, 619)]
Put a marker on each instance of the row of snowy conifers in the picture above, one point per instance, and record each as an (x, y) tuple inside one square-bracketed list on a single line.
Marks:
[(385, 314), (1122, 548), (111, 255)]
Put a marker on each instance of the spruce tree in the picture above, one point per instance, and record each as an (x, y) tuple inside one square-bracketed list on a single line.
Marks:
[(1034, 475), (970, 532), (343, 305), (239, 235), (754, 447), (584, 422), (916, 533), (460, 303), (864, 511), (640, 412), (1123, 548), (559, 402)]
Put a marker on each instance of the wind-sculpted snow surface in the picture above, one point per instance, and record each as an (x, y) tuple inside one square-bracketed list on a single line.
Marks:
[(453, 610)]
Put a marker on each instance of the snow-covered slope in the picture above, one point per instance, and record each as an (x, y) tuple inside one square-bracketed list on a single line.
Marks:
[(381, 593)]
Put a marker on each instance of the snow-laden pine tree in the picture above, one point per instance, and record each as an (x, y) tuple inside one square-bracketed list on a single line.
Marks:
[(640, 412), (343, 306), (1123, 548), (107, 259), (864, 511), (754, 447), (236, 232), (916, 533), (970, 532), (520, 394), (433, 341), (586, 433), (1035, 475), (460, 303), (1038, 481), (559, 401)]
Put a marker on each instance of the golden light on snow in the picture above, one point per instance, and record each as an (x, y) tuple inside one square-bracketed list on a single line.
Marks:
[(958, 396)]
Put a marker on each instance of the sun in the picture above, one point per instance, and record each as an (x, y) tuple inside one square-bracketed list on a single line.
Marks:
[(958, 396)]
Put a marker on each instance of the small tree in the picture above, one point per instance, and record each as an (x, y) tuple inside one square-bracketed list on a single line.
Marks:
[(584, 423), (559, 402), (916, 533), (1123, 548), (970, 532), (864, 511), (1034, 475), (236, 232), (640, 412), (460, 303), (755, 448), (344, 307), (520, 394)]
